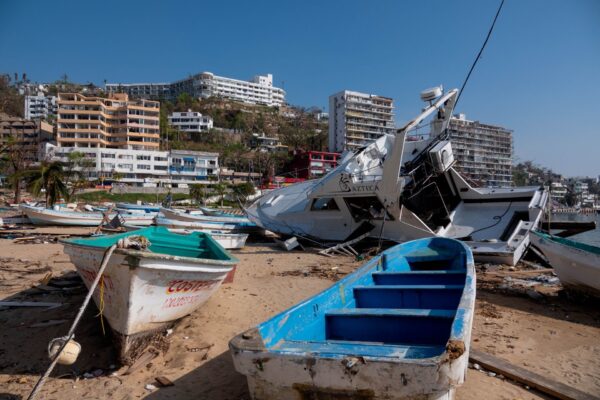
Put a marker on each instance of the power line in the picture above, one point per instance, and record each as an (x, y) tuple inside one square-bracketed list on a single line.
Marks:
[(479, 54)]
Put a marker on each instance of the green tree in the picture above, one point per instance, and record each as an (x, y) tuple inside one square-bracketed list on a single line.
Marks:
[(198, 193), (49, 176), (243, 191), (220, 188)]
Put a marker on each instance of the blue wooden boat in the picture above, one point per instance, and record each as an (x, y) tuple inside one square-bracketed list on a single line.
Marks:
[(139, 207), (397, 328)]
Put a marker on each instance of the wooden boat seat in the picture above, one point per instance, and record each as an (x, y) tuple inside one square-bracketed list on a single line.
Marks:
[(390, 326), (445, 297), (365, 349), (436, 277)]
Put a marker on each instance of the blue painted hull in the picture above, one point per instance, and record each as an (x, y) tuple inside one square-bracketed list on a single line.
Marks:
[(399, 327)]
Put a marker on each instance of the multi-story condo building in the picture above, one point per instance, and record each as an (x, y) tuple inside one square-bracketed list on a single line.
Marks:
[(357, 119), (40, 106), (115, 122), (483, 152), (148, 168), (258, 90), (191, 121), (29, 137)]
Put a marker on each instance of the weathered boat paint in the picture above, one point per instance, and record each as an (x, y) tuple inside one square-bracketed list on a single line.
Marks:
[(369, 336), (229, 241), (145, 291), (239, 227), (45, 216), (576, 264), (181, 215)]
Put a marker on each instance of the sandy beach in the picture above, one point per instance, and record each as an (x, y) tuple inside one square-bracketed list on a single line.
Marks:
[(549, 335)]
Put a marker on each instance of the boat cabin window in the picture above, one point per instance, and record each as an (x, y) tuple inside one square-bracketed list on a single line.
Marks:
[(324, 204), (365, 208)]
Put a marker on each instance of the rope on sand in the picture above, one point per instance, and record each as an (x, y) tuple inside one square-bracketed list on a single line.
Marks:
[(71, 333)]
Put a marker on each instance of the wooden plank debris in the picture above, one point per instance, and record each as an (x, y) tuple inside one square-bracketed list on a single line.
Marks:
[(164, 381), (29, 304), (531, 379)]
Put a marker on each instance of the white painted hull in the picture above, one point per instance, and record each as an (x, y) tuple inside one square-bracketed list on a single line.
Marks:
[(42, 216), (183, 216), (145, 291), (576, 268), (194, 225), (229, 241)]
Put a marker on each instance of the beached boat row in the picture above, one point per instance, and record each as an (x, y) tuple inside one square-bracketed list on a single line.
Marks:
[(406, 315)]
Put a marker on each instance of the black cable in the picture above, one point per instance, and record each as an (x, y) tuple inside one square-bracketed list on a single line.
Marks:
[(497, 217), (479, 54)]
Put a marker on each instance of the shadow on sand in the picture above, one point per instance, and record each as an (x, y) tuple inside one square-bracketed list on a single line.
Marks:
[(215, 379)]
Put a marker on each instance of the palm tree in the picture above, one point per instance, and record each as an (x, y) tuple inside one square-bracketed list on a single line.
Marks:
[(221, 189), (49, 176)]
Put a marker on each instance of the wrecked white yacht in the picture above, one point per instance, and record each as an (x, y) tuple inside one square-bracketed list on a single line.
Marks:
[(403, 187)]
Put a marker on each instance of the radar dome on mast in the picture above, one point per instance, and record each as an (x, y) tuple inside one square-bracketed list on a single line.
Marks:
[(432, 93)]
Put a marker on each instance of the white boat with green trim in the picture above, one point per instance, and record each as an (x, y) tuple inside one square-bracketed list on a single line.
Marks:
[(576, 264), (145, 291)]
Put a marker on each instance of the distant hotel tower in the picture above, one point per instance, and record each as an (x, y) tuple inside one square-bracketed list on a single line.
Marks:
[(357, 119), (483, 152)]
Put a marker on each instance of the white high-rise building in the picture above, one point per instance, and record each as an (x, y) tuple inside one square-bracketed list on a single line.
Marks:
[(358, 119), (258, 90), (40, 106), (483, 152), (191, 121)]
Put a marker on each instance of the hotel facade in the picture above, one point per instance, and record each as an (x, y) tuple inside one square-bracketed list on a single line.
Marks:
[(358, 119), (115, 122), (259, 90)]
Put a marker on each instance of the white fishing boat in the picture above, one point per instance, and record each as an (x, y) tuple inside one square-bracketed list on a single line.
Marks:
[(240, 227), (227, 240), (403, 187), (576, 264), (199, 216), (143, 292), (46, 216)]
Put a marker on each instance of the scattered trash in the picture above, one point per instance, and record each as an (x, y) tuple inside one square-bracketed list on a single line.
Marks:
[(289, 244), (332, 273), (164, 381), (169, 332), (150, 387)]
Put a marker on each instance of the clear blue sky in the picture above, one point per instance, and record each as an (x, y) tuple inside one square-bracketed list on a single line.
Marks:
[(540, 74)]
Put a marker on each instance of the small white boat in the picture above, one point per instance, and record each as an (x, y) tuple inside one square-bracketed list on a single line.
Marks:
[(199, 216), (576, 264), (228, 240), (143, 292), (240, 227), (46, 216)]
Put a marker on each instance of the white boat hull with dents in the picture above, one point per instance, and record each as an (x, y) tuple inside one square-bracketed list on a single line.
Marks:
[(576, 264), (207, 226), (199, 216), (404, 189), (45, 216), (143, 292)]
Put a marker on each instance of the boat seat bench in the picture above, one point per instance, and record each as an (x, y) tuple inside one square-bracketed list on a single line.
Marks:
[(366, 349), (390, 326), (439, 277), (445, 297)]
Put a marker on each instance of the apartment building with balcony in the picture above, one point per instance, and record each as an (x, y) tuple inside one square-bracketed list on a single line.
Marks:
[(115, 122), (40, 106), (258, 90), (191, 121), (358, 119), (26, 136), (148, 168), (483, 152)]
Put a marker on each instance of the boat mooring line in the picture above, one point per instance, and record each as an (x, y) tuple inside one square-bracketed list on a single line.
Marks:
[(71, 333)]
